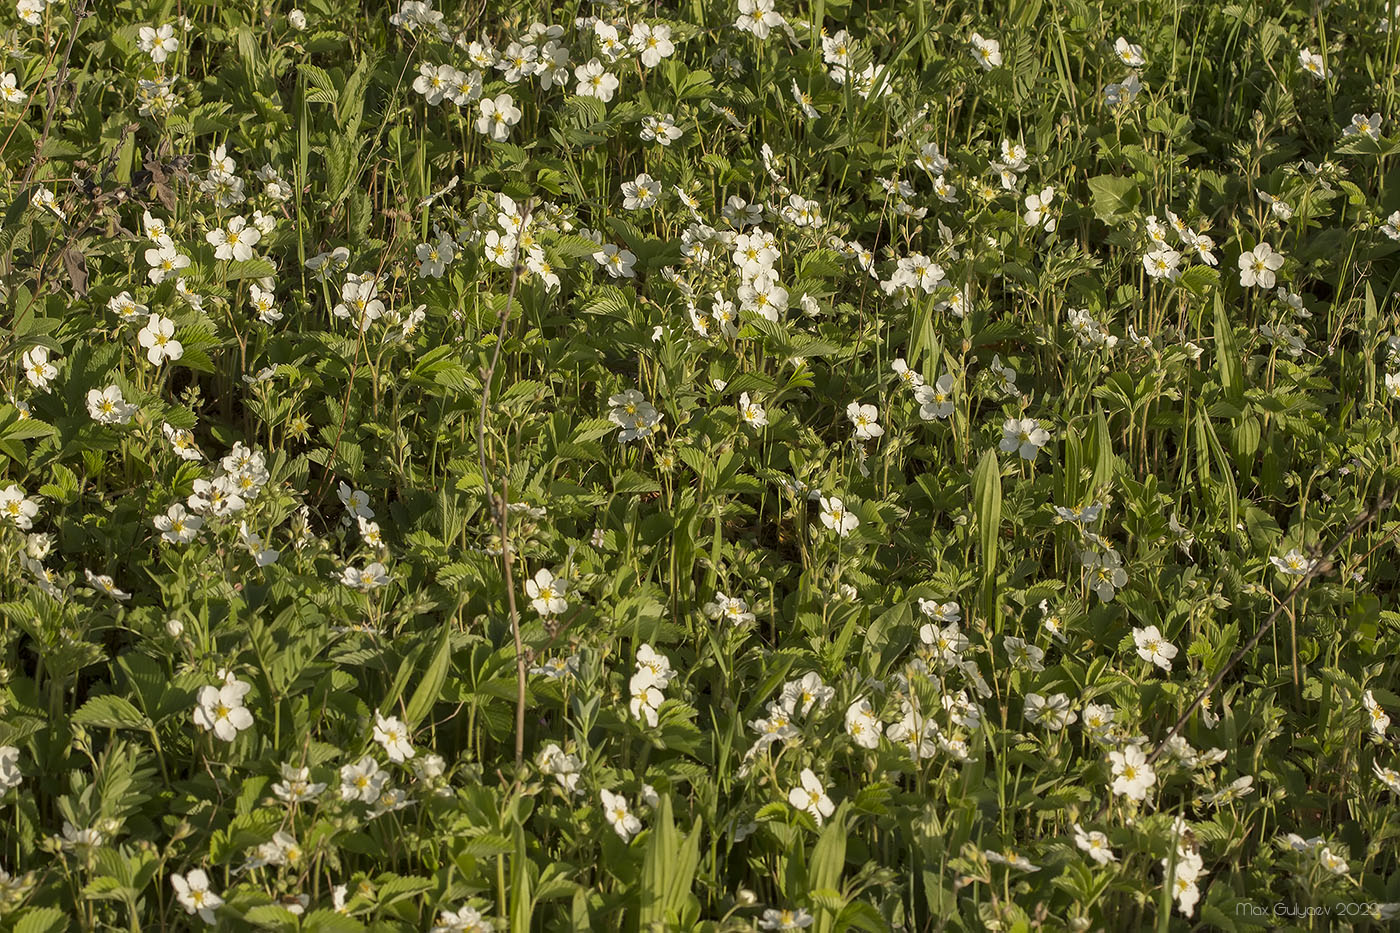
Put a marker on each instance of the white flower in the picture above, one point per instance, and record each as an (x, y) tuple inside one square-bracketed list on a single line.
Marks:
[(356, 501), (987, 52), (9, 768), (363, 780), (936, 401), (1294, 563), (1375, 714), (359, 300), (1025, 436), (498, 115), (106, 584), (108, 407), (811, 797), (652, 43), (1095, 843), (734, 610), (757, 17), (619, 817), (1129, 54), (656, 662), (16, 508), (37, 368), (1132, 775), (393, 735), (1151, 646), (1391, 227), (1038, 209), (374, 575), (1312, 63), (1331, 861), (465, 919), (595, 81), (1105, 573), (1011, 858), (646, 697), (178, 526), (234, 241), (866, 419), (9, 90), (1257, 266), (640, 194), (158, 338), (546, 593), (1052, 711), (861, 724), (296, 785), (835, 516), (616, 261), (660, 128), (1364, 125), (192, 891), (1162, 264), (220, 709), (785, 920), (751, 413), (564, 767), (801, 695)]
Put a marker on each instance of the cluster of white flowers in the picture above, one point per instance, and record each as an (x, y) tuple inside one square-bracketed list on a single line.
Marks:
[(637, 417), (1183, 870), (653, 675)]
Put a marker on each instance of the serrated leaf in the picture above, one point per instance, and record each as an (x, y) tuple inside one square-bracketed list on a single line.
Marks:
[(111, 712), (250, 269)]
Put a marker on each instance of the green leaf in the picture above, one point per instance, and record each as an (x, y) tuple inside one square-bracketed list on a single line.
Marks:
[(522, 902), (41, 920), (111, 712), (250, 269), (986, 496), (1227, 355), (430, 687), (64, 485), (668, 869), (326, 920), (827, 864), (1113, 197)]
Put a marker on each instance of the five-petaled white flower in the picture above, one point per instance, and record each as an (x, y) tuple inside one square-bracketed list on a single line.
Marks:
[(17, 508), (498, 115), (220, 709), (836, 517), (619, 817), (1024, 435), (1294, 563), (987, 52), (547, 593), (235, 240), (1151, 646), (391, 733), (106, 406), (192, 891), (1132, 775), (1257, 266), (866, 419), (158, 339)]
